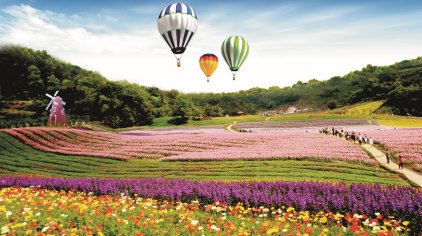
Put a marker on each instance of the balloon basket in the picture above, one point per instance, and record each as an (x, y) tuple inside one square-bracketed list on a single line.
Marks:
[(178, 62)]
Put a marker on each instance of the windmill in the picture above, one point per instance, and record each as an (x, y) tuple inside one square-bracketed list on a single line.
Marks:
[(57, 116)]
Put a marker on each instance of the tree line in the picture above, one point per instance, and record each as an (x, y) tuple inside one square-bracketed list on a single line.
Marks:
[(27, 74)]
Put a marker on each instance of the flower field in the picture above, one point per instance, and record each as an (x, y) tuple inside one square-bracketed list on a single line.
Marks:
[(296, 124), (404, 142), (186, 207), (311, 196), (20, 159), (193, 145), (30, 211)]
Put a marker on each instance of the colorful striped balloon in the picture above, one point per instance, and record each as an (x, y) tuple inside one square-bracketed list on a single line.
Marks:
[(235, 50), (208, 63), (177, 23)]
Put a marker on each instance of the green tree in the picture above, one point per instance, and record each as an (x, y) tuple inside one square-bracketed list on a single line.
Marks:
[(35, 81)]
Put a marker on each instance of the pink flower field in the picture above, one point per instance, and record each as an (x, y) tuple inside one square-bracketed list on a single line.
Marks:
[(405, 142), (193, 144)]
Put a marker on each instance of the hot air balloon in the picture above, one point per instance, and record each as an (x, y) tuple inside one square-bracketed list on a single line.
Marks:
[(208, 63), (235, 50), (177, 23)]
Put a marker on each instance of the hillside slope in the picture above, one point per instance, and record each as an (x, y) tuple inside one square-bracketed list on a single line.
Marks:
[(27, 74)]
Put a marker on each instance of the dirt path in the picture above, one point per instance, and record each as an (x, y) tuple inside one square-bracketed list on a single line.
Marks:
[(230, 127), (381, 158)]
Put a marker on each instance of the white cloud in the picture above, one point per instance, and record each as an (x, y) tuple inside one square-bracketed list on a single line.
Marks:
[(282, 52)]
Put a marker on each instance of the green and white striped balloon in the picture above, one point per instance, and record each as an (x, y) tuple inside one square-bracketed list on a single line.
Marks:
[(235, 50)]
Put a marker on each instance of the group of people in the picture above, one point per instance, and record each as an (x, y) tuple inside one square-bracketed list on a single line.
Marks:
[(244, 130), (349, 135)]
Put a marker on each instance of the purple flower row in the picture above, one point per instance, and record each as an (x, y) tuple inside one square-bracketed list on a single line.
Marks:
[(403, 202)]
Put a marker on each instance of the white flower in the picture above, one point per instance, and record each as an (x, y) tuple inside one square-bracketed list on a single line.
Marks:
[(37, 214), (194, 222), (213, 227), (5, 230), (200, 228), (8, 213), (45, 229), (124, 210), (377, 213), (398, 229), (63, 215), (126, 221), (284, 230)]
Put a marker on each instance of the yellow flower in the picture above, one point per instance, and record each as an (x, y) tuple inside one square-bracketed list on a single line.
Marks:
[(290, 209), (82, 208), (405, 223), (323, 220), (272, 231)]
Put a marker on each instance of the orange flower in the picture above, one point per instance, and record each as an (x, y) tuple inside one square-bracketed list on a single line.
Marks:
[(308, 230)]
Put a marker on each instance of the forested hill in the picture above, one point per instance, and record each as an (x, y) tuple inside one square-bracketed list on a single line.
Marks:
[(400, 85), (26, 75)]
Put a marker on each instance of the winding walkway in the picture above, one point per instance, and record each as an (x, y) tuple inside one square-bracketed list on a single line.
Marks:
[(382, 159), (230, 127)]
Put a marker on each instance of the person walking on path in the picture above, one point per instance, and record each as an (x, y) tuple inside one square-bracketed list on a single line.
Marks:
[(388, 155), (400, 162)]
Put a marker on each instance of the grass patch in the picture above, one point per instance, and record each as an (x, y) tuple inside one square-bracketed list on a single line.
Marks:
[(17, 158), (399, 121), (362, 109)]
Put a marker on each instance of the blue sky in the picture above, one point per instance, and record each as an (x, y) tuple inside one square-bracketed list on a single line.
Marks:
[(289, 40)]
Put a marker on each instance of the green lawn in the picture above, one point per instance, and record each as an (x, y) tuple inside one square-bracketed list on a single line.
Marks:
[(19, 159)]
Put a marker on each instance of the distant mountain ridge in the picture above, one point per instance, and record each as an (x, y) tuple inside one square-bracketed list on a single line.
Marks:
[(26, 75)]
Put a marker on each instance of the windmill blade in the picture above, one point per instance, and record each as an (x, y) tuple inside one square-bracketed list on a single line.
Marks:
[(55, 94), (48, 95), (64, 103), (48, 105)]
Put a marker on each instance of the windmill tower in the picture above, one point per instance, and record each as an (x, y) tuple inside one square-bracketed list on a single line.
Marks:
[(57, 116)]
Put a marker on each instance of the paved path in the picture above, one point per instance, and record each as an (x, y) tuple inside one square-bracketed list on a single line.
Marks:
[(381, 158), (229, 127)]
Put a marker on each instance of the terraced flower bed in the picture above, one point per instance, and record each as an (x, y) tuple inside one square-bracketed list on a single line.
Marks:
[(193, 145)]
